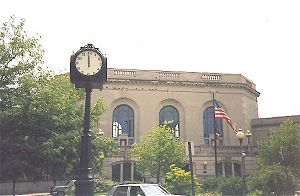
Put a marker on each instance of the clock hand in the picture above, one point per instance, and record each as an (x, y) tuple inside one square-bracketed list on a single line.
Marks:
[(89, 60)]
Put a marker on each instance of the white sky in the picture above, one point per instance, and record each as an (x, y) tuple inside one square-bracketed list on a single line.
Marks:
[(259, 38)]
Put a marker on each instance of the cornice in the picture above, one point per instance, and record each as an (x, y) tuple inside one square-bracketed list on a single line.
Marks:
[(215, 84)]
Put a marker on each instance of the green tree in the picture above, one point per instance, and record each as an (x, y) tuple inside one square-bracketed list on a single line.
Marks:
[(158, 150), (102, 147), (178, 181), (41, 114), (268, 179), (20, 56), (278, 161)]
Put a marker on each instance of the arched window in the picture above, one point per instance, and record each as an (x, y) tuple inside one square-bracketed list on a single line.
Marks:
[(169, 113), (209, 126), (123, 121)]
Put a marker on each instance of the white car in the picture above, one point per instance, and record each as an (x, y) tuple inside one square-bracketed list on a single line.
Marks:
[(138, 190)]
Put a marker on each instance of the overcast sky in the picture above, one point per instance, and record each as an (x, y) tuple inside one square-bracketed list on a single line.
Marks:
[(259, 38)]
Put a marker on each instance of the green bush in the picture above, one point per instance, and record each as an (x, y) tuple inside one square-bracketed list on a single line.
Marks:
[(178, 181), (225, 185), (210, 184), (230, 185)]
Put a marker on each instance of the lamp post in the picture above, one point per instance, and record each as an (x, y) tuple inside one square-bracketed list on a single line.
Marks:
[(191, 168), (244, 173), (248, 134), (241, 135)]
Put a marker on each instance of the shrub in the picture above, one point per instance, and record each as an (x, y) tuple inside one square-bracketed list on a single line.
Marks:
[(225, 185), (210, 184), (178, 181)]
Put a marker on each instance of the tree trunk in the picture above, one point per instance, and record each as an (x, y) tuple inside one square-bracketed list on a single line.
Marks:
[(158, 174)]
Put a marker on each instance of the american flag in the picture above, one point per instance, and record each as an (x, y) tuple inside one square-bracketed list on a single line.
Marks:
[(221, 114)]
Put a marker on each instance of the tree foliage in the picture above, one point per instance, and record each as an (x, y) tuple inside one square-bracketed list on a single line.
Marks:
[(102, 147), (41, 114), (158, 150), (270, 178), (278, 161), (20, 57), (178, 181), (225, 185)]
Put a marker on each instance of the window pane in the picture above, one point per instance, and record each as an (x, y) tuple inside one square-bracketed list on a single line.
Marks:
[(209, 126), (154, 190), (127, 171), (170, 114), (121, 191), (220, 169), (123, 121), (237, 169), (228, 169), (116, 172), (136, 190), (206, 141)]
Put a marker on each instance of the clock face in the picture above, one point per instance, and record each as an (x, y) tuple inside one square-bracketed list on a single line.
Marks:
[(88, 62)]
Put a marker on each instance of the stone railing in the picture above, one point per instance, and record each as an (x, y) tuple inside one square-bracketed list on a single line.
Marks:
[(168, 75), (124, 73), (210, 150), (177, 77), (213, 77), (205, 150)]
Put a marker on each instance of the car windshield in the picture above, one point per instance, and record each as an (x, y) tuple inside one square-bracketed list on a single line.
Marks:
[(68, 182), (154, 190)]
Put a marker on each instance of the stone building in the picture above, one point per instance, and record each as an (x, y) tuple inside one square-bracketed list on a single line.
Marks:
[(137, 100), (261, 127)]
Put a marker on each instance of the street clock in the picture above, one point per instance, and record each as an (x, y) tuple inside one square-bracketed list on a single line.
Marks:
[(88, 68)]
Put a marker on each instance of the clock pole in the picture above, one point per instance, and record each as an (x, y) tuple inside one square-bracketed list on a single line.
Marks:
[(85, 183), (88, 69)]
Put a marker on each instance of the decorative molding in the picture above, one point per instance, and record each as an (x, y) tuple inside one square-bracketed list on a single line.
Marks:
[(184, 83)]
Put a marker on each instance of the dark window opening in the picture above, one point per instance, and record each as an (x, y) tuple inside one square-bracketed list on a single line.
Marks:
[(228, 169), (209, 127), (237, 169), (126, 171), (170, 114), (116, 172), (123, 121)]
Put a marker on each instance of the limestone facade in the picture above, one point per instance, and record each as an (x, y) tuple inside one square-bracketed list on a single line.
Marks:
[(147, 92), (261, 127)]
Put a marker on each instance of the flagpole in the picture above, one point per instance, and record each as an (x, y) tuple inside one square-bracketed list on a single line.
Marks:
[(215, 135)]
